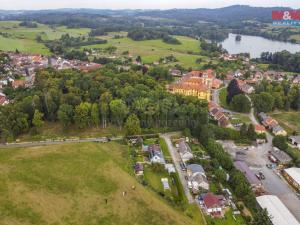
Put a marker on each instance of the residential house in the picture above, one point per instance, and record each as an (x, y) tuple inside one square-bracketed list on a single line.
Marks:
[(281, 157), (155, 153), (259, 129), (196, 178), (295, 140), (184, 151), (278, 130), (262, 116), (213, 205), (217, 113), (297, 80)]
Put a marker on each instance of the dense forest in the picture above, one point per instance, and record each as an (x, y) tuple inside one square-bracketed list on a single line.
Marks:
[(282, 61), (271, 96), (99, 98), (150, 34)]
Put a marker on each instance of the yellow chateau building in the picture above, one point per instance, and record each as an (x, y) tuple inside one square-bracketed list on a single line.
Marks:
[(197, 83)]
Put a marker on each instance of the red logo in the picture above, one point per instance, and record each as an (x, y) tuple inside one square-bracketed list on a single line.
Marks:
[(286, 15)]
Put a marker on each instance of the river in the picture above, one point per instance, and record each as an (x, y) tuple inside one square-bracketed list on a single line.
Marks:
[(255, 45)]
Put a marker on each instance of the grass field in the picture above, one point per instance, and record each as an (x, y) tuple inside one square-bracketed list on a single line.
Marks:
[(152, 50), (23, 38), (239, 118), (69, 184), (290, 121)]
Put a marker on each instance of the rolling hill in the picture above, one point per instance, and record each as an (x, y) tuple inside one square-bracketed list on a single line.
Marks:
[(77, 184)]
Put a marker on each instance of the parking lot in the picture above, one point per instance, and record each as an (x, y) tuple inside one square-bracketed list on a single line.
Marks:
[(256, 158)]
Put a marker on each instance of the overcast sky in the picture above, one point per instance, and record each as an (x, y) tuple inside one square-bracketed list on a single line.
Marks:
[(139, 4)]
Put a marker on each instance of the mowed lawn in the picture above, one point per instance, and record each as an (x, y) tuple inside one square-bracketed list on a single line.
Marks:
[(69, 184), (288, 120)]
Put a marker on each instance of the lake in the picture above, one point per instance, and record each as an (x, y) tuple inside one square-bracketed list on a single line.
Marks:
[(255, 45)]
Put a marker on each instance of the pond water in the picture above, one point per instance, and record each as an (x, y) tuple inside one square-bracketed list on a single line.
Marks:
[(255, 45)]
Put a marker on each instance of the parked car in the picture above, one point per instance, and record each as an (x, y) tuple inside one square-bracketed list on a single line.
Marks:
[(262, 176), (240, 153), (258, 176), (271, 165)]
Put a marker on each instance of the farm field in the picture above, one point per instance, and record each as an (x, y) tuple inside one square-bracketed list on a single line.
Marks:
[(288, 120), (24, 39), (153, 50), (45, 185)]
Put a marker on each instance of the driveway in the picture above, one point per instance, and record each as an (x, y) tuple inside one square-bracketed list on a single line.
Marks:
[(176, 160)]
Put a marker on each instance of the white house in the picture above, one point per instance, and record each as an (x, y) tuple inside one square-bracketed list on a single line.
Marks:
[(196, 178), (184, 151), (295, 140), (156, 155)]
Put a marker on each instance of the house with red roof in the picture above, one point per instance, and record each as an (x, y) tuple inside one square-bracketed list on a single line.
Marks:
[(213, 205), (260, 129)]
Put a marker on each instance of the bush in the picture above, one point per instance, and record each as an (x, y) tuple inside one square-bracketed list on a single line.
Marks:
[(280, 142), (240, 103)]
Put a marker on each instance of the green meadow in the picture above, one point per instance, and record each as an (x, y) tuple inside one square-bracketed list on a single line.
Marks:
[(153, 50), (78, 184), (24, 39)]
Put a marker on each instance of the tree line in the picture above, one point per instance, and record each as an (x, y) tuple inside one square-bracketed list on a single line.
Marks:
[(99, 98), (152, 34), (276, 95), (283, 60)]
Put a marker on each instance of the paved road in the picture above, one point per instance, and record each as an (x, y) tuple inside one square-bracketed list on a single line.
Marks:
[(176, 160), (56, 142), (257, 158), (215, 96)]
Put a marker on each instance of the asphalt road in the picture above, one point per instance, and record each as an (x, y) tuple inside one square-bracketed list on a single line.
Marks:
[(257, 158)]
